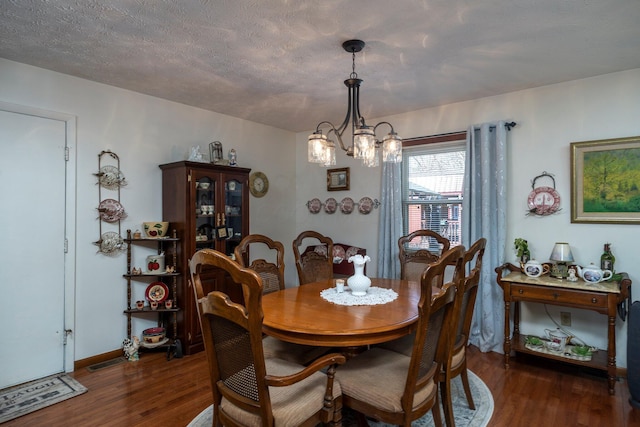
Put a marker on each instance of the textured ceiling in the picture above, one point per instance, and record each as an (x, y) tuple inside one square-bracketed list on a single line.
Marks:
[(280, 62)]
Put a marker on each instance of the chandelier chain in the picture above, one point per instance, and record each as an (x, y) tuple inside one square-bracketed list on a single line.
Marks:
[(353, 74)]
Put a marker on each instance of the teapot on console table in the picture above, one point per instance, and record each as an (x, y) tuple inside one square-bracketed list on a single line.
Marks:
[(534, 269), (592, 274)]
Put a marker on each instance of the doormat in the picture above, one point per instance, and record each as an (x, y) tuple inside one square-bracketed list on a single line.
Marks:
[(106, 364), (29, 397)]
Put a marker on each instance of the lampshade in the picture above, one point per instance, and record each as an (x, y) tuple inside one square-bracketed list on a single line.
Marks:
[(561, 253)]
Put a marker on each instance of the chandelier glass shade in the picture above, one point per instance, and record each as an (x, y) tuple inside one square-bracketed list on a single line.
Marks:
[(364, 144)]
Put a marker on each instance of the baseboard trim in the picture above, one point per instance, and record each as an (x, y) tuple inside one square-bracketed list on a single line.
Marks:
[(98, 358)]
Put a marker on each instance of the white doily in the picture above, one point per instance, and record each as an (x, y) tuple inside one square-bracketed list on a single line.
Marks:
[(374, 296)]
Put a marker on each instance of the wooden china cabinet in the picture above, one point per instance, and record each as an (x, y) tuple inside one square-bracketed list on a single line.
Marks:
[(208, 206)]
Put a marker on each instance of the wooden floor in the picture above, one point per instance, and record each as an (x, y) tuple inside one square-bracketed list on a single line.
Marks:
[(157, 392)]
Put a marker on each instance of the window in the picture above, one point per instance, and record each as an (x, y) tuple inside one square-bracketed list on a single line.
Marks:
[(432, 185)]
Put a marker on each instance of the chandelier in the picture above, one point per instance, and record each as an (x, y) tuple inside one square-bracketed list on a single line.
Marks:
[(364, 145)]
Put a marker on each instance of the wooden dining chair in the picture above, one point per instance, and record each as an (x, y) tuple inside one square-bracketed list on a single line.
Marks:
[(413, 261), (249, 390), (272, 275), (395, 388), (456, 362), (316, 265)]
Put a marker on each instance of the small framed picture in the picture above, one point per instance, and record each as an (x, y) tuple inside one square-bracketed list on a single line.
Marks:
[(338, 179), (222, 232), (604, 180)]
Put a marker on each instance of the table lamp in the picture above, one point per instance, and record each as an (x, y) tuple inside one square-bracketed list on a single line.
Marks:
[(560, 255)]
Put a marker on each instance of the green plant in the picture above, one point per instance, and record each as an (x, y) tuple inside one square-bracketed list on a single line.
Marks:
[(522, 248)]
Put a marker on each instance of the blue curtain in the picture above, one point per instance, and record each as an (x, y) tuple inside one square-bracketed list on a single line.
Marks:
[(484, 215), (390, 224)]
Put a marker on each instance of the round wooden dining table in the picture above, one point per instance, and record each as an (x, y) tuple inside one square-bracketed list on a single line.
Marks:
[(300, 315)]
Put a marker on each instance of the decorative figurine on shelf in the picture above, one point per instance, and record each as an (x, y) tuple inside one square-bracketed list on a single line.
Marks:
[(137, 234), (195, 154), (233, 158), (130, 347), (169, 269), (572, 274), (137, 271)]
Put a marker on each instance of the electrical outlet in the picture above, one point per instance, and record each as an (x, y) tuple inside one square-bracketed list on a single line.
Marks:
[(565, 318)]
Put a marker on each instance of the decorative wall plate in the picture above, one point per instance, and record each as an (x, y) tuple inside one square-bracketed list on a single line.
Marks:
[(314, 205), (111, 243), (157, 291), (365, 205), (110, 177), (346, 205), (330, 205), (543, 200), (111, 210)]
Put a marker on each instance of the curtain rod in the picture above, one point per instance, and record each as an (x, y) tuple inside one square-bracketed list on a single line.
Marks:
[(444, 137)]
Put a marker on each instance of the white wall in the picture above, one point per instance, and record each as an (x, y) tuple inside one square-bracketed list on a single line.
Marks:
[(549, 118), (144, 131)]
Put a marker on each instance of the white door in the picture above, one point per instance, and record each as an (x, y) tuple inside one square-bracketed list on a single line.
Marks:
[(32, 249)]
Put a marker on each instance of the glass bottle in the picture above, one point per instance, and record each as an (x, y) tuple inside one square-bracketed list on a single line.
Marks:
[(607, 259)]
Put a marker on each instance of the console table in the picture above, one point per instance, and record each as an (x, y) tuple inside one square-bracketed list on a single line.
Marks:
[(602, 297)]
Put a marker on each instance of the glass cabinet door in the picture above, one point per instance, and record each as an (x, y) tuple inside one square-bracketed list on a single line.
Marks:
[(205, 212), (233, 210)]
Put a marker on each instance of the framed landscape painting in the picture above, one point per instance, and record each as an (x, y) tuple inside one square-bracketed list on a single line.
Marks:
[(605, 181)]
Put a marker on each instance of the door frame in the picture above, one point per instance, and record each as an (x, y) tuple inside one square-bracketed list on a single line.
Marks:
[(70, 218)]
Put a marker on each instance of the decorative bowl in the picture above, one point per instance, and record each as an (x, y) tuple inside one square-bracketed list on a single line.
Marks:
[(153, 335), (155, 230), (204, 185), (581, 350)]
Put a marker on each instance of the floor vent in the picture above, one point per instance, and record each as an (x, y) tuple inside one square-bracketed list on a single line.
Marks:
[(106, 364)]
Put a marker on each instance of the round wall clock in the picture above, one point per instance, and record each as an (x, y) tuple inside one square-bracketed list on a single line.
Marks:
[(258, 184)]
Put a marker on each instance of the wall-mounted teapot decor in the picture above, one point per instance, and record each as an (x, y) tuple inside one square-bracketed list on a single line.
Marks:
[(543, 201)]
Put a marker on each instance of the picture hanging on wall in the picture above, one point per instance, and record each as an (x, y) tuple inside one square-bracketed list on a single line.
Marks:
[(338, 179), (605, 181)]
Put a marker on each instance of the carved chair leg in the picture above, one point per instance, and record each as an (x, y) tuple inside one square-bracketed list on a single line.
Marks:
[(337, 413), (361, 419), (435, 411), (465, 383), (447, 405)]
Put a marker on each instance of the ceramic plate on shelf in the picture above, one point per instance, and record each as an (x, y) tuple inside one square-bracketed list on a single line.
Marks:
[(314, 205), (157, 291), (346, 205), (155, 344), (111, 210), (330, 205), (365, 205), (110, 177)]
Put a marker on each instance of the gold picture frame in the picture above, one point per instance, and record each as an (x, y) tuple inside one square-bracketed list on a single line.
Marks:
[(605, 181), (338, 179)]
